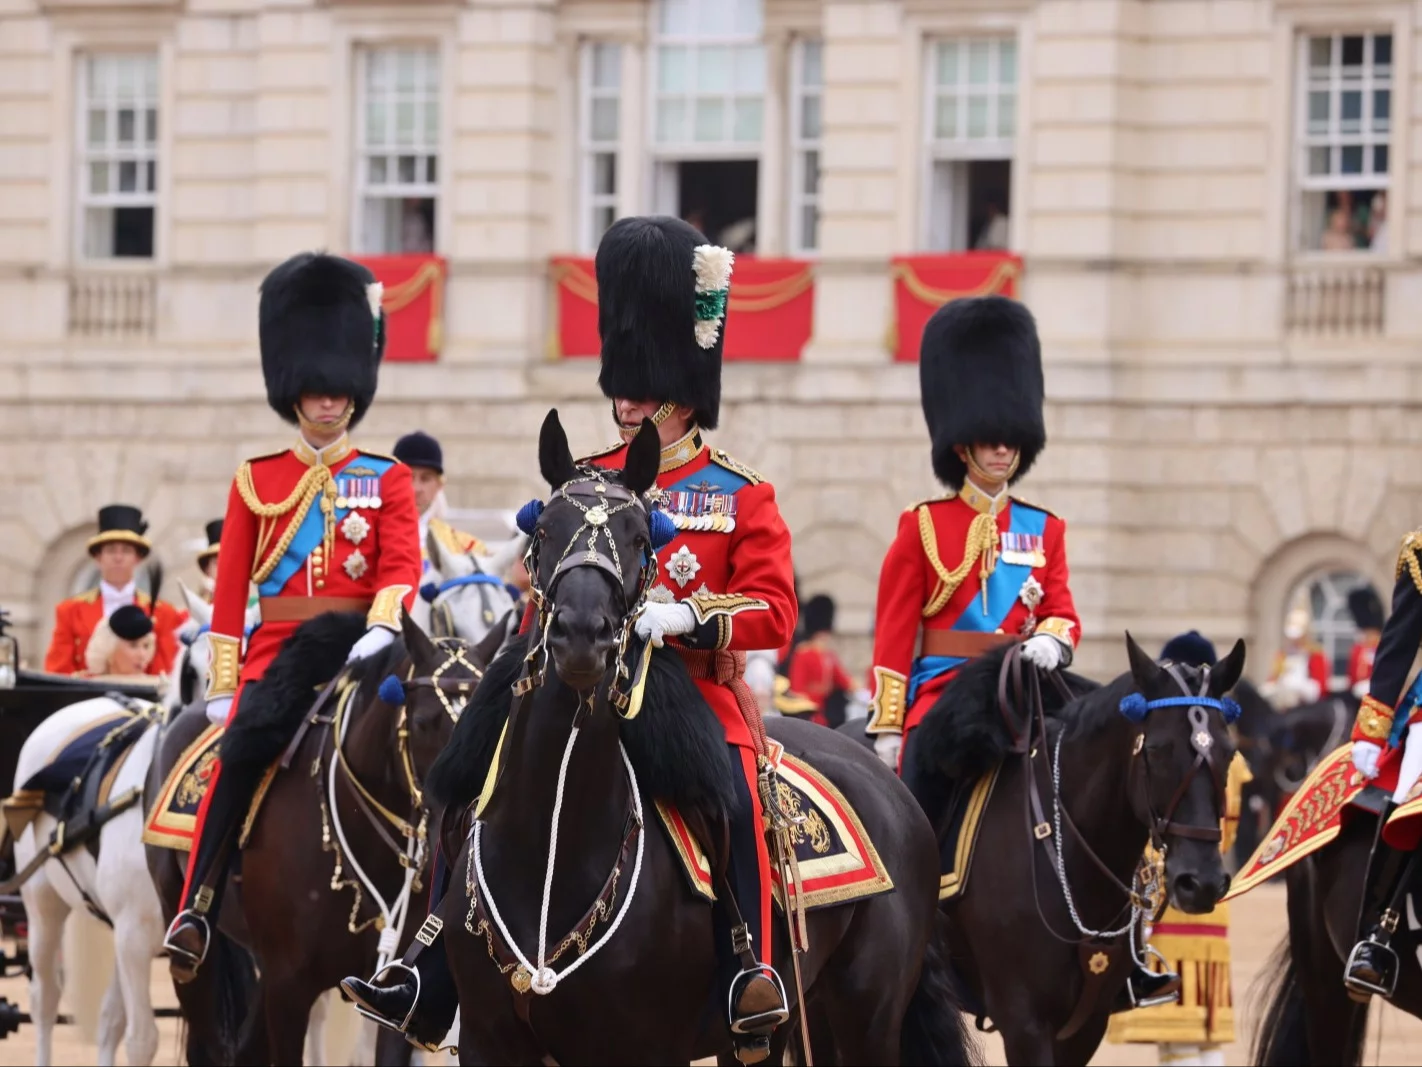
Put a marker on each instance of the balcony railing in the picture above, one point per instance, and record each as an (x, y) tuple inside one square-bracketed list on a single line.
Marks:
[(1335, 301), (112, 306)]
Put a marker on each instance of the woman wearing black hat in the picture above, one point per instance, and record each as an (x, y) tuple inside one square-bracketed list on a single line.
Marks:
[(122, 645)]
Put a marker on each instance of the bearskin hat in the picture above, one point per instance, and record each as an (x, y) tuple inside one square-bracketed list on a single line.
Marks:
[(1192, 649), (980, 380), (661, 304), (1366, 607), (818, 613), (320, 332)]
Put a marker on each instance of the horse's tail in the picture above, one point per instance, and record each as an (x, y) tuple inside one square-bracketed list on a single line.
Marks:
[(935, 1031), (1281, 1039), (232, 972)]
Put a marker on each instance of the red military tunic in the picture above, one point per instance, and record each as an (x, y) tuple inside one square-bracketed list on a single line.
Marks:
[(730, 560), (816, 673), (930, 620), (1360, 660), (76, 619)]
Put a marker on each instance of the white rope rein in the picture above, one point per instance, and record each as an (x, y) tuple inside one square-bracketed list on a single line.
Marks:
[(544, 978)]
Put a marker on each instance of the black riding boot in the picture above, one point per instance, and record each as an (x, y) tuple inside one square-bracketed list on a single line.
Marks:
[(1146, 989), (1372, 965), (420, 999), (190, 935)]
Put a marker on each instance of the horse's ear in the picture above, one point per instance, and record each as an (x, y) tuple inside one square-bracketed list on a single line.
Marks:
[(451, 564), (417, 642), (555, 460), (1225, 674), (644, 456), (1143, 669), (198, 608)]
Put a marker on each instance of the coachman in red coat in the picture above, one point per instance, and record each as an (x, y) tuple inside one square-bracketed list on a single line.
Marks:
[(321, 526)]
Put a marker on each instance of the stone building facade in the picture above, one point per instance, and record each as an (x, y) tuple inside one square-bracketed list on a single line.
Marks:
[(1202, 193)]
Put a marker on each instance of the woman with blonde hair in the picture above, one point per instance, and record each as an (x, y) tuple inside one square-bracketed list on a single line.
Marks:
[(122, 645)]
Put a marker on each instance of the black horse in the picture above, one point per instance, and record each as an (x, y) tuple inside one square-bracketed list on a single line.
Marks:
[(1127, 770), (873, 973)]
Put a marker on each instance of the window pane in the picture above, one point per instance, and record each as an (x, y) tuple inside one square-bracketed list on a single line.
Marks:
[(672, 66), (405, 169), (810, 118), (98, 177), (431, 128), (429, 71), (125, 79), (979, 69), (604, 120), (1382, 51), (1352, 52), (977, 116), (1320, 50), (1318, 161), (149, 67), (1007, 115), (1382, 110), (1007, 63), (98, 127), (150, 181), (1352, 159), (99, 232), (1350, 110), (128, 177), (809, 227), (377, 70), (605, 174), (404, 123), (749, 16), (812, 63), (1380, 159), (432, 166), (811, 184), (606, 66), (150, 131), (376, 118), (714, 70), (126, 120), (710, 120), (671, 120), (715, 18), (603, 218), (1318, 102), (406, 76), (747, 120), (750, 69), (377, 170), (675, 17), (945, 119), (948, 63)]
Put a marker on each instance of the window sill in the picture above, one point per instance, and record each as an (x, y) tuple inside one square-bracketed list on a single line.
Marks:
[(1317, 259), (59, 6)]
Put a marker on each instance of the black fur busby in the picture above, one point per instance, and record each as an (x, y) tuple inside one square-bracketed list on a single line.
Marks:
[(818, 613), (980, 379), (1366, 608), (1193, 649), (319, 334), (661, 339)]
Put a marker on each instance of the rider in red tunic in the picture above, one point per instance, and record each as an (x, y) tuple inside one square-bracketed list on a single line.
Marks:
[(726, 583), (319, 527), (1365, 606), (815, 670)]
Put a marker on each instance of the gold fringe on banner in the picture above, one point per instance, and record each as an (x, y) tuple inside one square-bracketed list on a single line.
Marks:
[(401, 295), (748, 299), (996, 282)]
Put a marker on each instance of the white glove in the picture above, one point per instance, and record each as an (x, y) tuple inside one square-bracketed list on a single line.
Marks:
[(887, 748), (1309, 691), (217, 709), (1365, 758), (664, 620), (1045, 651), (374, 640), (760, 675), (1411, 763), (1360, 687)]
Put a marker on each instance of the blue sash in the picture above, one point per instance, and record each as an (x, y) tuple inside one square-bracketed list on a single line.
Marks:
[(1404, 712), (1003, 587), (313, 529)]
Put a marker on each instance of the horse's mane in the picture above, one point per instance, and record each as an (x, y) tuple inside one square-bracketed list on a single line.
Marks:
[(963, 736), (676, 744)]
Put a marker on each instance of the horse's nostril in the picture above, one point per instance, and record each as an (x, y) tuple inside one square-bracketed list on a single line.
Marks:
[(1187, 883)]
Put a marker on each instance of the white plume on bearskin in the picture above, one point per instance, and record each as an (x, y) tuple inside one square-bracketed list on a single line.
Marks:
[(712, 265)]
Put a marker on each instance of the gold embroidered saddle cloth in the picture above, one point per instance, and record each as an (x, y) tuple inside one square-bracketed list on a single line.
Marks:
[(173, 819), (838, 863)]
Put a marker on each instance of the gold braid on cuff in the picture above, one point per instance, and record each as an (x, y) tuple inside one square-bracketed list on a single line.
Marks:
[(386, 609), (1375, 720), (226, 666), (1058, 628), (889, 704)]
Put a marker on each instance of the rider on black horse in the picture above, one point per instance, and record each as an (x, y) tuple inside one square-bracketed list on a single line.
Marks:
[(975, 568), (662, 293), (1372, 965)]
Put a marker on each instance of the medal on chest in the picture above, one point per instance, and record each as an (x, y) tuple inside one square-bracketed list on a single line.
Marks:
[(700, 506), (1023, 550), (357, 487)]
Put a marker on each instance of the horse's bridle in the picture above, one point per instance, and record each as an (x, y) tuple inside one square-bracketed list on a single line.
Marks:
[(441, 618)]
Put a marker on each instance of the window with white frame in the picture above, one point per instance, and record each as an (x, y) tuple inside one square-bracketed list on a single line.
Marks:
[(972, 129), (397, 154), (1334, 630), (600, 129), (806, 113), (118, 136), (1344, 130), (707, 116)]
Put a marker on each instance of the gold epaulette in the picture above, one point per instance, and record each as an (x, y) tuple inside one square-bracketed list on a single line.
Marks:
[(88, 596), (609, 450), (721, 459), (1407, 557), (1029, 504), (376, 455), (930, 500), (267, 455)]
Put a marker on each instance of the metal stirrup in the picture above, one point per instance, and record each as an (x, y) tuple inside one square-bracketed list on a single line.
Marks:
[(389, 1024), (739, 1026)]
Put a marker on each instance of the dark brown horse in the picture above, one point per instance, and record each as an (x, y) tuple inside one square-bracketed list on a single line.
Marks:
[(1310, 1019), (303, 935), (649, 992), (1127, 771)]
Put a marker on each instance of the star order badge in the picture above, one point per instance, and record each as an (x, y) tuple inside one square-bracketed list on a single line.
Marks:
[(355, 528), (355, 565), (1031, 593), (683, 566)]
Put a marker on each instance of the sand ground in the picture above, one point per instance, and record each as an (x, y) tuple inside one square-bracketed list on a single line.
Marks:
[(1258, 924)]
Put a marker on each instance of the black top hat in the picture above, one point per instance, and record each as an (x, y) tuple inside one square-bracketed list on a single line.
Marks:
[(419, 449), (662, 292), (980, 380), (123, 523), (214, 539), (130, 622)]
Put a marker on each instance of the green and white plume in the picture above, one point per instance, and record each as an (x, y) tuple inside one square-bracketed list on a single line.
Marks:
[(712, 265)]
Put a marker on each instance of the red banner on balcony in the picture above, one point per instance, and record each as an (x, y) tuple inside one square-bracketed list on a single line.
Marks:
[(923, 284), (413, 303), (770, 317)]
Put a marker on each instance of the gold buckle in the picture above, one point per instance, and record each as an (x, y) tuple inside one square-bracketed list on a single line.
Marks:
[(1042, 831), (1388, 920), (202, 902), (429, 930)]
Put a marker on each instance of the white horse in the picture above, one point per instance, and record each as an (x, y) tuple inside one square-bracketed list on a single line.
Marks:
[(464, 595)]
